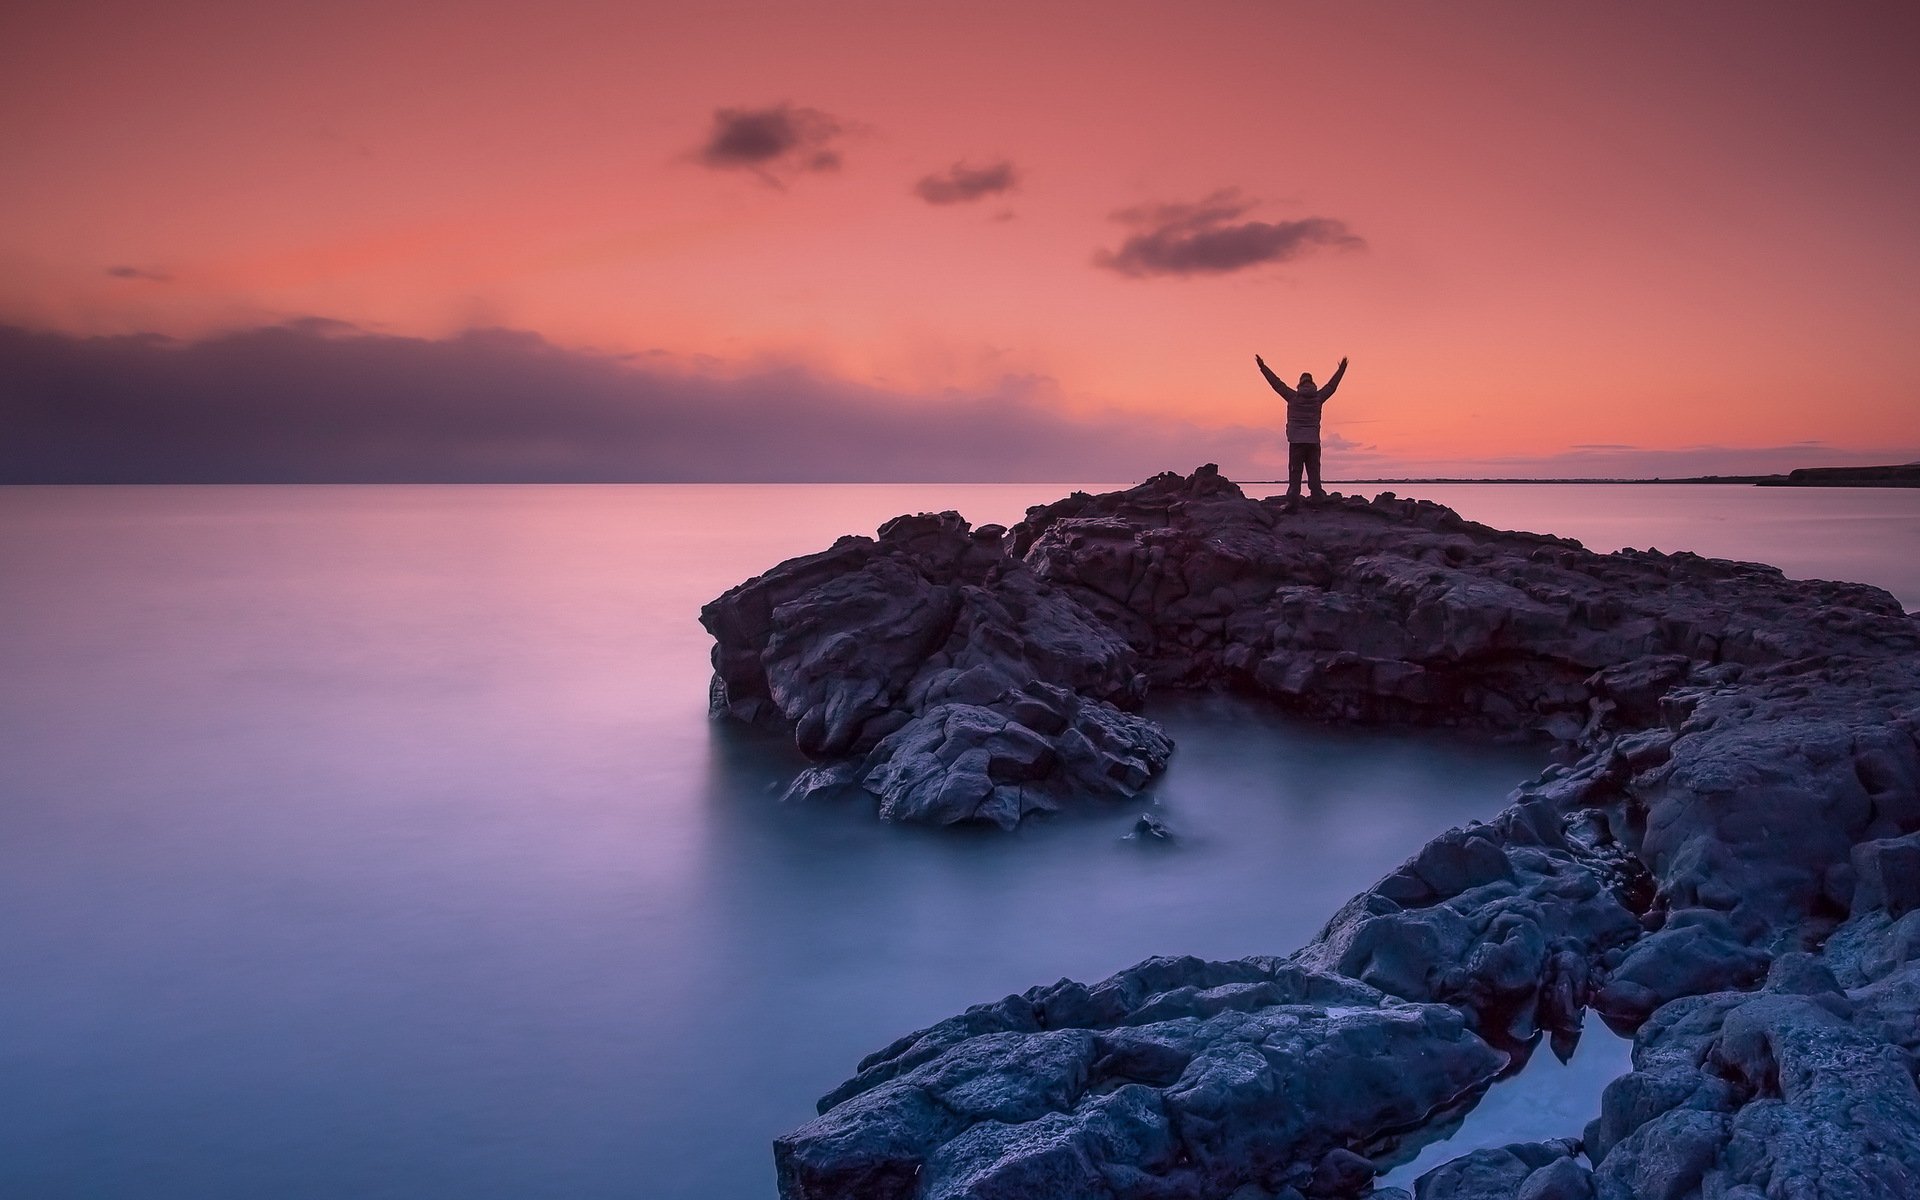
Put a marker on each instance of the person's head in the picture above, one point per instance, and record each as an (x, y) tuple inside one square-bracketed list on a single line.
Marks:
[(1306, 382)]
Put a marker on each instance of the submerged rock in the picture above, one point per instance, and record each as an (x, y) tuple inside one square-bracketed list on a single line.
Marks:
[(1725, 865), (1151, 828)]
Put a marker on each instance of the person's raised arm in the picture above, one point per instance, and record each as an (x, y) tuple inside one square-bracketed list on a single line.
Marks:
[(1273, 379), (1326, 389)]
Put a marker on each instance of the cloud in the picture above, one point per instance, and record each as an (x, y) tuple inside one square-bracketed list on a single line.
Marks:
[(146, 274), (1210, 238), (323, 401), (961, 184), (772, 142)]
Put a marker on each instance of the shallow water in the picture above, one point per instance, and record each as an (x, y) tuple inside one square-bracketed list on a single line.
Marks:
[(374, 842)]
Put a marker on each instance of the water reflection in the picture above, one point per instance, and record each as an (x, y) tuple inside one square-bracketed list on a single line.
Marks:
[(1547, 1099)]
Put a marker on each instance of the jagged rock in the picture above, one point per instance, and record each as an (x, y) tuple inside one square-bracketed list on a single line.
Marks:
[(1390, 610), (1176, 1078), (1490, 920), (964, 686), (1704, 955), (1801, 1089), (960, 762), (1725, 861), (1521, 1171)]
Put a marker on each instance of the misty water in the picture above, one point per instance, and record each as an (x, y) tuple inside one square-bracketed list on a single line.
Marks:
[(374, 841)]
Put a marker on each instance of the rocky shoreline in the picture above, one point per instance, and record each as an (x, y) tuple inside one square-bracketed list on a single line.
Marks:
[(1727, 866)]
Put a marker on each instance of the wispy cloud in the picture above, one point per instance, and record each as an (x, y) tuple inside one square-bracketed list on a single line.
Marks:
[(961, 183), (319, 400), (1211, 237), (774, 143), (144, 274)]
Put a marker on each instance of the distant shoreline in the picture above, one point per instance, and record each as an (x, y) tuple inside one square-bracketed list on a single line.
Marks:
[(1745, 480), (1904, 476)]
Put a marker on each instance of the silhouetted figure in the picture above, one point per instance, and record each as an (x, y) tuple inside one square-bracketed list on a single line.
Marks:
[(1303, 425)]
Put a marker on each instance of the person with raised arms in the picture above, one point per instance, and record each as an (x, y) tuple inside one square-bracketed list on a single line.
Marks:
[(1303, 425)]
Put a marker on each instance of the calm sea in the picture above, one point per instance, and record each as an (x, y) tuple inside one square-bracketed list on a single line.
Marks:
[(374, 842)]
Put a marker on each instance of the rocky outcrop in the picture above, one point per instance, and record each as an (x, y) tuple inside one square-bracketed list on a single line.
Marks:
[(1176, 1078), (1191, 1079), (931, 669), (1725, 865), (1804, 1087), (928, 666)]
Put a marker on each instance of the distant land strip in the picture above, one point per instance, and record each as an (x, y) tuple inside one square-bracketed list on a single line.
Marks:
[(1902, 476)]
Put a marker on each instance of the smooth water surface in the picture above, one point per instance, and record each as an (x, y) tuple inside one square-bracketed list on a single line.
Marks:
[(374, 842)]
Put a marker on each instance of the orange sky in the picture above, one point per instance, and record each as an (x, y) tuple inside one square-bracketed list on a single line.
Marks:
[(1662, 226)]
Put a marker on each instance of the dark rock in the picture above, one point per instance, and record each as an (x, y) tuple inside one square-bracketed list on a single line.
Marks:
[(1561, 1179), (1801, 1085), (1389, 610), (929, 646), (967, 762), (1886, 875), (1175, 1078), (1726, 863), (1535, 1170), (1151, 828), (1703, 954), (1341, 1173)]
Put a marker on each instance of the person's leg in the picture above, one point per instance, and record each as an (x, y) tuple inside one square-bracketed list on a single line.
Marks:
[(1296, 458), (1313, 471)]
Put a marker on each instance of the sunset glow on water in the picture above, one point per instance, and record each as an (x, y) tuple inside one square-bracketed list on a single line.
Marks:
[(375, 841)]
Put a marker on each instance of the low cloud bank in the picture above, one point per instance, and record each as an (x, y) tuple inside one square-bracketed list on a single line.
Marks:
[(321, 401)]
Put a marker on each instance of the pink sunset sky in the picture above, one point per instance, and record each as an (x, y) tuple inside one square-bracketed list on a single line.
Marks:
[(972, 241)]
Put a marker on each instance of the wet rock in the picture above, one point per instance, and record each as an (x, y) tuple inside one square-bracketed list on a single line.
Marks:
[(1151, 828), (1522, 1171), (1723, 864), (1177, 1078)]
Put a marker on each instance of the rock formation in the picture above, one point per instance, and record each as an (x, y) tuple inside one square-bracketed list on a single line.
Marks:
[(934, 670), (1728, 865)]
